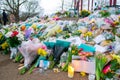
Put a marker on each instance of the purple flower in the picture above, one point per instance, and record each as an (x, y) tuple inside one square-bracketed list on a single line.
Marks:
[(27, 33)]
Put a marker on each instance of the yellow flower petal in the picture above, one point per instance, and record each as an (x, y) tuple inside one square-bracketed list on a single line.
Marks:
[(83, 74), (4, 45), (42, 52)]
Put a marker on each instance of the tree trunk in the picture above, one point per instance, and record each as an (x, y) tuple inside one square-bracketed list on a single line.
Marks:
[(78, 7), (16, 16), (81, 4), (92, 5), (88, 4), (62, 5), (72, 4), (115, 1), (110, 2)]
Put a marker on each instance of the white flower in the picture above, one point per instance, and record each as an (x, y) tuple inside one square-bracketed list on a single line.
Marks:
[(8, 34), (3, 31), (20, 37)]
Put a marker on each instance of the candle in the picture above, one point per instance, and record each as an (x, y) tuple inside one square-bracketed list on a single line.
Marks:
[(70, 71)]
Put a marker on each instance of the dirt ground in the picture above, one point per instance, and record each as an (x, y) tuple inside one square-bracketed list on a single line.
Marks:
[(9, 71)]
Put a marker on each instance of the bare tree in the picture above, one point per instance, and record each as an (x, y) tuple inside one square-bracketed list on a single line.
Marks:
[(31, 9), (13, 6)]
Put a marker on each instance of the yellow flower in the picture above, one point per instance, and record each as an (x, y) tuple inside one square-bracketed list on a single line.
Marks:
[(4, 45), (1, 35), (34, 26), (116, 22), (117, 57), (42, 52), (79, 31), (89, 33), (73, 51), (83, 74), (59, 30), (94, 27)]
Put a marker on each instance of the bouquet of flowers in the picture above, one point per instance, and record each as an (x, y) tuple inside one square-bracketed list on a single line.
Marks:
[(107, 66), (72, 51), (84, 13), (104, 13), (14, 38)]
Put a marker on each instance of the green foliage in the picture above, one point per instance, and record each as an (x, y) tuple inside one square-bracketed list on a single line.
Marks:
[(66, 13), (13, 41), (100, 63), (114, 67), (58, 13), (50, 58), (6, 51), (66, 36), (74, 50), (23, 70), (18, 57), (76, 33), (31, 69), (52, 64), (65, 68), (118, 12), (84, 13), (104, 13)]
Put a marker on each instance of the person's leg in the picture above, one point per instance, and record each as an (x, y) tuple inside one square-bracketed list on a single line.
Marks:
[(0, 21), (4, 22)]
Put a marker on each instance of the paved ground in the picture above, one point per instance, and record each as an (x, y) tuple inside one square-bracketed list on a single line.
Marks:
[(9, 71)]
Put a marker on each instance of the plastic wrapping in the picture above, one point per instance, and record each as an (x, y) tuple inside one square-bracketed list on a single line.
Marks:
[(87, 48), (60, 47), (58, 50), (29, 50), (117, 44), (13, 52), (53, 31)]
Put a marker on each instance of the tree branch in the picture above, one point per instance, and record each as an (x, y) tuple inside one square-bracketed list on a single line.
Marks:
[(22, 2), (8, 10), (7, 2)]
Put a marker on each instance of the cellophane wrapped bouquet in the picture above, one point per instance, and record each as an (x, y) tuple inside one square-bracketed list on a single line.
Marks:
[(29, 51)]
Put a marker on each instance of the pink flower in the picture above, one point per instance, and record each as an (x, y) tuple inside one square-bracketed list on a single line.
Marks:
[(108, 21), (106, 69), (44, 47)]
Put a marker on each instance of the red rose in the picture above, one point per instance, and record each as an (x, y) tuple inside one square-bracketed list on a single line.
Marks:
[(14, 33)]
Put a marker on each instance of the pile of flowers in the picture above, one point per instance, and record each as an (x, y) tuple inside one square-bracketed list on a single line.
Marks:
[(67, 33)]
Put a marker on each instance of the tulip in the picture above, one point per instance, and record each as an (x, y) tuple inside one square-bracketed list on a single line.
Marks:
[(106, 69)]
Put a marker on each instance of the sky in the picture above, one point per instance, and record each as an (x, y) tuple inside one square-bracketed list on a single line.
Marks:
[(51, 6)]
